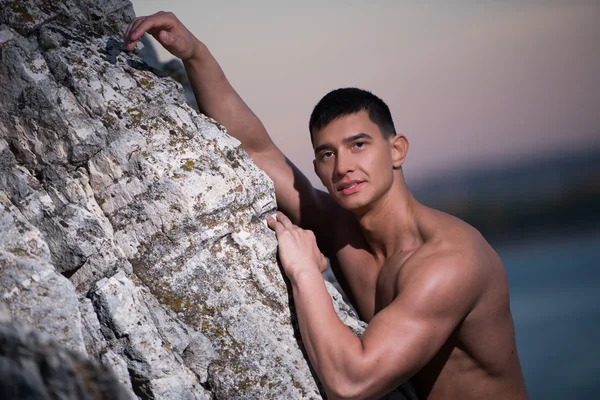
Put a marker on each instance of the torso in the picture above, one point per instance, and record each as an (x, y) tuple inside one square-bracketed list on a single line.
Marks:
[(479, 360)]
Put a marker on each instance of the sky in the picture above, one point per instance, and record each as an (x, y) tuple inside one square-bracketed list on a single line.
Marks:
[(471, 85)]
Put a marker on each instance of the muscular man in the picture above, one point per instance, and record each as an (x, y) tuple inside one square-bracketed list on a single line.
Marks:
[(432, 290)]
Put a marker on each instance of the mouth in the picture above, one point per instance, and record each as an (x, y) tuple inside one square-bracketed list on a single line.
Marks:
[(350, 188)]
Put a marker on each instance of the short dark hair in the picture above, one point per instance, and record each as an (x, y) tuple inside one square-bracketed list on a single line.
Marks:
[(345, 101)]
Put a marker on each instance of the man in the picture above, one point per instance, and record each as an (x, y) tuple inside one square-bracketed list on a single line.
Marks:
[(432, 290)]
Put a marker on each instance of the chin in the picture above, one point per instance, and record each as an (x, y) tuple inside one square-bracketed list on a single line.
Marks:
[(355, 204)]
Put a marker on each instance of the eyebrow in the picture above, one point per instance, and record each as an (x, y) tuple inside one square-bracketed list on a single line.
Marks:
[(349, 139)]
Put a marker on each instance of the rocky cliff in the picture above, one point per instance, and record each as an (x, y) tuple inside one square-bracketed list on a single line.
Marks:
[(131, 227)]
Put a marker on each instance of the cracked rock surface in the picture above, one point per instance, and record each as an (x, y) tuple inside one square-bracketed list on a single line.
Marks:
[(131, 227)]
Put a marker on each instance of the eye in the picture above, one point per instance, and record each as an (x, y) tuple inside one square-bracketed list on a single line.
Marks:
[(358, 145), (326, 154)]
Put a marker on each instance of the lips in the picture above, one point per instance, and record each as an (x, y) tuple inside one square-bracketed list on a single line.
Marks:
[(349, 187)]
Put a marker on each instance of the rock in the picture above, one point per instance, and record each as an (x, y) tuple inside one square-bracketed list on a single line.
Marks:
[(132, 227), (153, 341), (173, 68), (30, 286), (33, 367)]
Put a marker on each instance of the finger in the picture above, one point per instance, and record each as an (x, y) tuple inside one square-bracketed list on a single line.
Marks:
[(165, 38), (271, 222), (276, 226), (153, 24), (131, 40), (322, 263), (285, 221), (126, 39), (126, 35), (135, 32), (131, 24), (133, 21)]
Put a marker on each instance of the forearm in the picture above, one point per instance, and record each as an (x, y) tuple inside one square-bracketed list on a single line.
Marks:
[(218, 99), (335, 352)]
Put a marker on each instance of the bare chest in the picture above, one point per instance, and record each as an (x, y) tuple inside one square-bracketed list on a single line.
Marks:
[(389, 280), (373, 284)]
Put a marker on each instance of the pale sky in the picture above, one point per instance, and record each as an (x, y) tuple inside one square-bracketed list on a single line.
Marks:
[(471, 83)]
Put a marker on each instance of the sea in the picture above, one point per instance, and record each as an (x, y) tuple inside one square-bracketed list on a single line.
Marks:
[(554, 284)]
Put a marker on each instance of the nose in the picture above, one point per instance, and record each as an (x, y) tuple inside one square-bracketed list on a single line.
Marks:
[(343, 165)]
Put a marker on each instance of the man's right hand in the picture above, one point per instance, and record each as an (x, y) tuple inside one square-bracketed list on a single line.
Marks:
[(167, 30)]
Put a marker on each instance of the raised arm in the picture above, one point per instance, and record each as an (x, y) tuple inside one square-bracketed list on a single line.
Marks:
[(219, 100)]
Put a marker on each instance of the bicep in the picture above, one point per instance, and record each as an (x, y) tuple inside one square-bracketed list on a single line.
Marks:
[(403, 342), (403, 337)]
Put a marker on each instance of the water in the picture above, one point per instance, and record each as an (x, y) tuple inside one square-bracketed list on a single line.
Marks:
[(555, 300)]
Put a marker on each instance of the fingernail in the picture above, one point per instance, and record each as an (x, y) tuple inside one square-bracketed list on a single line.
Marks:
[(266, 222)]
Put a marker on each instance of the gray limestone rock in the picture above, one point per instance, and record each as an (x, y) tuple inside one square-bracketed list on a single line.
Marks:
[(131, 227), (35, 367), (32, 290)]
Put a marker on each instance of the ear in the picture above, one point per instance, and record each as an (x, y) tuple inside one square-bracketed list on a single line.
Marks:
[(399, 147)]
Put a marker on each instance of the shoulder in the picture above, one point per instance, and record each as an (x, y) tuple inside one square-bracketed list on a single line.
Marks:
[(435, 264), (443, 282), (452, 239), (449, 267)]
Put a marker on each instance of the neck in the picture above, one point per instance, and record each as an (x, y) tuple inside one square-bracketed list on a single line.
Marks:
[(390, 224)]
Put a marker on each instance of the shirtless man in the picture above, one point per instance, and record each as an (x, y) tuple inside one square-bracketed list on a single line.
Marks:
[(432, 290)]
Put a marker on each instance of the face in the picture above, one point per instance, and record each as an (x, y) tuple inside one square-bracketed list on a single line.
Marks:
[(354, 161)]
